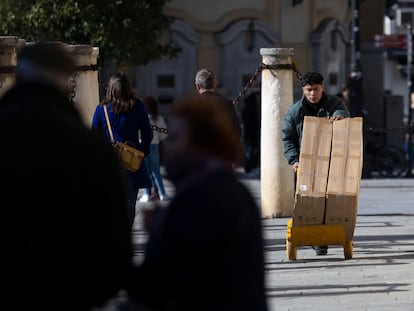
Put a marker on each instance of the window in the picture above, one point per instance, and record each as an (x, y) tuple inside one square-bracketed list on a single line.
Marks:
[(166, 81)]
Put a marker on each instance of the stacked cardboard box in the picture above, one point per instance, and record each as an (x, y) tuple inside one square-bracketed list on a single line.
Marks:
[(312, 175), (329, 175), (344, 174)]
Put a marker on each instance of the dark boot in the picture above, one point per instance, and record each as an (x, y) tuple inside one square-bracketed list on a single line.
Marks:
[(321, 250)]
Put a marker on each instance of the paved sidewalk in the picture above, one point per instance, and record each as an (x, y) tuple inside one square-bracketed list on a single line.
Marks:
[(380, 276)]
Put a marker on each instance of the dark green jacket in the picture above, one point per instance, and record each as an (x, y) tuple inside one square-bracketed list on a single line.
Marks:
[(328, 106)]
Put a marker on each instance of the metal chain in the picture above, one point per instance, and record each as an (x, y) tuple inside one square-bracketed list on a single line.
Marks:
[(72, 86), (402, 128), (72, 80), (259, 69), (159, 129), (299, 76), (249, 84), (252, 81)]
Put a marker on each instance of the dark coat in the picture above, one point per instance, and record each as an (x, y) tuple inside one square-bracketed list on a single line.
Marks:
[(328, 106), (251, 116), (228, 107), (65, 239), (133, 126), (205, 250)]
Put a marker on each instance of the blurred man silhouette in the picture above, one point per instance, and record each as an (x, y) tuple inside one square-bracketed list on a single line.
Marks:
[(66, 243), (205, 249)]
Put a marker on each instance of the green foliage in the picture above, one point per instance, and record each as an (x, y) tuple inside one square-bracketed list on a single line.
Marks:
[(127, 31)]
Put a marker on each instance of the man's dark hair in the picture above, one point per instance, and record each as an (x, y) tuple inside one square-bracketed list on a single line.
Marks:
[(311, 77)]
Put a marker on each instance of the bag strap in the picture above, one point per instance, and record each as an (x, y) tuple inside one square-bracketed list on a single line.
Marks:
[(109, 124)]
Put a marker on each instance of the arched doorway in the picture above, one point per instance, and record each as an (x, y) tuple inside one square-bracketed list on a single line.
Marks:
[(240, 45), (168, 78)]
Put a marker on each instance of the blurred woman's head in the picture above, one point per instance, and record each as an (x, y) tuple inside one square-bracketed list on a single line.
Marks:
[(198, 127)]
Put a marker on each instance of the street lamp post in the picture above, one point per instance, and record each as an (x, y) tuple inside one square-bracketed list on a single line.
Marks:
[(355, 79), (409, 83)]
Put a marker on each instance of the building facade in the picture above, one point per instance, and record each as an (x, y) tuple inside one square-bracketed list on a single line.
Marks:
[(226, 36)]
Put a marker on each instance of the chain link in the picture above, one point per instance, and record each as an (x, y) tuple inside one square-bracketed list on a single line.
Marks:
[(259, 69), (404, 127), (299, 76), (72, 86), (72, 80), (159, 129), (249, 84)]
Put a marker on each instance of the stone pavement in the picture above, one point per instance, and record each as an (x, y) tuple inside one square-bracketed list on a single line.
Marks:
[(380, 275)]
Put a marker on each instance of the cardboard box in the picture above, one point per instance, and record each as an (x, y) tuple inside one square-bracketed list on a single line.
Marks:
[(308, 210), (345, 167), (312, 176), (345, 174), (342, 209), (314, 157)]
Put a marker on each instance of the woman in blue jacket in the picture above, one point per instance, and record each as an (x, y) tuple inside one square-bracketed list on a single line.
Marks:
[(129, 121)]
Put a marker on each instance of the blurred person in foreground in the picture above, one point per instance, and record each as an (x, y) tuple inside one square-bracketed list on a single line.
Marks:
[(66, 244), (129, 121), (205, 249), (316, 103)]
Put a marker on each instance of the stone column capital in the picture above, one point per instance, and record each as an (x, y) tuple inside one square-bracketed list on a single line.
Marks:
[(271, 56)]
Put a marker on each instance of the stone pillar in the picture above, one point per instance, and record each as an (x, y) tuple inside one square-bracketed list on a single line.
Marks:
[(9, 46), (87, 86), (277, 177)]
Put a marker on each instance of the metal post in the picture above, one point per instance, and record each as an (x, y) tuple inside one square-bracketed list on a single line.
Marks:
[(355, 81), (409, 61)]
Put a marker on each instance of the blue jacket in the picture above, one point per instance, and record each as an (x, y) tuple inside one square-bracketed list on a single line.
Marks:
[(328, 106), (133, 126)]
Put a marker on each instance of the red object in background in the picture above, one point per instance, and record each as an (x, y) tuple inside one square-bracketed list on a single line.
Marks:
[(391, 41)]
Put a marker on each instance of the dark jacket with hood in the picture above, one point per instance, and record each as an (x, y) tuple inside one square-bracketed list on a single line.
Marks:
[(328, 106)]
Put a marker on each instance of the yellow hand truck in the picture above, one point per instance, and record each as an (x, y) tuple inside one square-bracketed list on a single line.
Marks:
[(316, 235)]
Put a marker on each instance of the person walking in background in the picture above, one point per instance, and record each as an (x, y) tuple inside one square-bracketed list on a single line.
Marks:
[(314, 102), (129, 120), (344, 94), (205, 249), (206, 84), (251, 116), (160, 133), (65, 240)]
